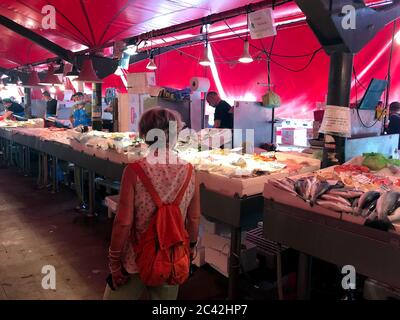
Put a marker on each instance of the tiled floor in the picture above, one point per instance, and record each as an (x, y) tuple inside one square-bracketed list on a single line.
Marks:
[(37, 228)]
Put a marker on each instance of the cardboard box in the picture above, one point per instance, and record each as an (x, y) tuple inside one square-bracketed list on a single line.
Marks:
[(200, 257), (219, 260), (140, 82), (288, 136), (210, 227)]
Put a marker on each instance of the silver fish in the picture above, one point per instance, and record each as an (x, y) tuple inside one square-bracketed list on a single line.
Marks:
[(321, 188), (300, 186), (346, 193), (387, 203), (330, 197), (335, 206), (283, 186), (366, 200)]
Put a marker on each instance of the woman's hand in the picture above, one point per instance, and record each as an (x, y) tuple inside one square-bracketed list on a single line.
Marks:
[(118, 278)]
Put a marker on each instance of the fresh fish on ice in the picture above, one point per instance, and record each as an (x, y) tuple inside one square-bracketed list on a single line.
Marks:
[(321, 188), (366, 200), (346, 193), (334, 206), (339, 199), (387, 203)]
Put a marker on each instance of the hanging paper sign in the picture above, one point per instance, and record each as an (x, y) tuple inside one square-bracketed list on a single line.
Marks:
[(336, 121), (261, 24)]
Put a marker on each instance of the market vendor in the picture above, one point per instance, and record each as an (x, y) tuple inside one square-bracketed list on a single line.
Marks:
[(223, 116), (80, 115), (13, 108), (394, 119), (51, 104)]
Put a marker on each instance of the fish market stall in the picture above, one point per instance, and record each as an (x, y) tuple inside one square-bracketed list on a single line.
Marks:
[(231, 186), (345, 215)]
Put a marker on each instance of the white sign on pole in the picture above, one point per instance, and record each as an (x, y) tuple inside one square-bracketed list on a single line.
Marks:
[(261, 24), (337, 121)]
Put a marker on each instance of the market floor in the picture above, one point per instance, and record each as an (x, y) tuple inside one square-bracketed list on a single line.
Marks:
[(37, 229)]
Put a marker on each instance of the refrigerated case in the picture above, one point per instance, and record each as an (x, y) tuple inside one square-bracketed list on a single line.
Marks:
[(255, 122)]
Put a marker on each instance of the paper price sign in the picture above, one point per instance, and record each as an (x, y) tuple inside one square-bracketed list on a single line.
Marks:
[(336, 121)]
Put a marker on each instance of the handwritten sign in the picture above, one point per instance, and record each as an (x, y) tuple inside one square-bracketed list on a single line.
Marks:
[(336, 121), (261, 24)]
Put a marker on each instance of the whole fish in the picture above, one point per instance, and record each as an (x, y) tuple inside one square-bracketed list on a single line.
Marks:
[(366, 200), (387, 203), (346, 193), (335, 206), (320, 188), (395, 216), (368, 211), (338, 199), (310, 183), (283, 186), (300, 186)]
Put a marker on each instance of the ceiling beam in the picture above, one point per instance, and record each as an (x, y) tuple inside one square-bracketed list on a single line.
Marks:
[(64, 54)]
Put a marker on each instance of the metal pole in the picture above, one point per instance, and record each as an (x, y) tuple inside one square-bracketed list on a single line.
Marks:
[(341, 67), (234, 263), (389, 76), (304, 277), (96, 107)]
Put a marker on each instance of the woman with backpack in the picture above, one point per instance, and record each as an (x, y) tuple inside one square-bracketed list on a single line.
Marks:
[(156, 227)]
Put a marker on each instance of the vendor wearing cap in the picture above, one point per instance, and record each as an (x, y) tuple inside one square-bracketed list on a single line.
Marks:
[(13, 108)]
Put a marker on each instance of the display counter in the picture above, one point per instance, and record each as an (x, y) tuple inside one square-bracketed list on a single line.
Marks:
[(347, 215)]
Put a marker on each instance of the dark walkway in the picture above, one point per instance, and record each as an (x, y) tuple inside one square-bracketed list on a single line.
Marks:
[(37, 229)]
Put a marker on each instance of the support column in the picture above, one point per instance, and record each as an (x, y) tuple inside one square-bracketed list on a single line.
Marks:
[(339, 86), (28, 102), (96, 107)]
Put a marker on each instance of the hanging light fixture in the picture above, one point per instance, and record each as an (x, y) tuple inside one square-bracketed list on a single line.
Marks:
[(246, 56), (205, 60), (73, 74), (151, 65), (51, 79), (87, 73), (33, 80), (52, 89), (60, 70)]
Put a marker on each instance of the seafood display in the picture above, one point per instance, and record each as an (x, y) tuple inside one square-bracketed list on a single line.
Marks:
[(349, 189), (31, 123), (119, 141), (232, 163)]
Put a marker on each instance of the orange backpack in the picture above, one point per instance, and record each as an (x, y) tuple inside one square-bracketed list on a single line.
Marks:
[(162, 255)]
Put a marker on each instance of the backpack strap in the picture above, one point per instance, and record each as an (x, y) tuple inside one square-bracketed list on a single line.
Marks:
[(182, 191), (147, 184)]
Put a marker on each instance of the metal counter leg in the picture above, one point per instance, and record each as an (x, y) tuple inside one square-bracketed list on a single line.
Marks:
[(54, 183), (40, 170), (234, 263), (45, 170), (28, 161), (304, 277), (91, 178)]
